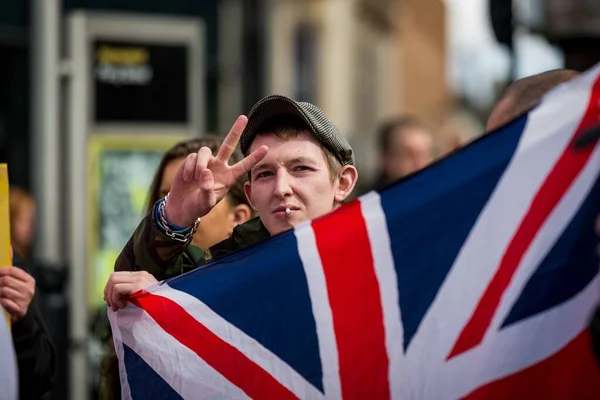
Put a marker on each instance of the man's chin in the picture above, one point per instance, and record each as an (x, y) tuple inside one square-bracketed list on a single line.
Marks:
[(279, 226)]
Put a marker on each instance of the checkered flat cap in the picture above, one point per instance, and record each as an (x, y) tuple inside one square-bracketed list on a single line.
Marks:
[(325, 131)]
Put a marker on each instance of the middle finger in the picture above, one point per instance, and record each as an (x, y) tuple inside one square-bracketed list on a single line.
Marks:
[(14, 283), (12, 294)]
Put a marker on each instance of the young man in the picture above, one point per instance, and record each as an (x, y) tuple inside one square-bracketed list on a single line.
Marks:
[(300, 167)]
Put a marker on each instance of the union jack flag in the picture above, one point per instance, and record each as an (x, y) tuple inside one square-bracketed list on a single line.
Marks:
[(474, 278)]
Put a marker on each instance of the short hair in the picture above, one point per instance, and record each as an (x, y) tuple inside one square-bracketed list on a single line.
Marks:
[(181, 150), (287, 126), (387, 129), (523, 94)]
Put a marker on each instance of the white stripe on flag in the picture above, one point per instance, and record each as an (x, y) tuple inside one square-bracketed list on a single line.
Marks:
[(519, 346), (565, 321), (181, 368), (321, 309), (271, 363), (548, 235), (383, 261), (546, 134), (118, 343)]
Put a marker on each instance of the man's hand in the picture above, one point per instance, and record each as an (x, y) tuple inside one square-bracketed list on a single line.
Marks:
[(122, 284), (203, 180), (17, 288)]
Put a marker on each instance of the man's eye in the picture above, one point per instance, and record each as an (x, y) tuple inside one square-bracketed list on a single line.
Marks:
[(264, 174), (302, 168)]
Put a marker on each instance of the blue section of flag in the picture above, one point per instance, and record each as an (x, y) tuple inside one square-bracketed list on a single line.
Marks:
[(144, 382), (265, 286), (555, 281), (424, 241)]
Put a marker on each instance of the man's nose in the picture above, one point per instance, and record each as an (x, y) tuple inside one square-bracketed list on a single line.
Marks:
[(282, 185)]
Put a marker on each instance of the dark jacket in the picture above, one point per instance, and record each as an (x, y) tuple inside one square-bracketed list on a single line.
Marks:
[(36, 355), (150, 250)]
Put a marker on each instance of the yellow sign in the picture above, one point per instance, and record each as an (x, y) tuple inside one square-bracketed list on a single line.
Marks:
[(122, 55), (120, 168), (5, 252)]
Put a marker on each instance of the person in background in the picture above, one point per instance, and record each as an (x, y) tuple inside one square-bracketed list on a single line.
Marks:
[(36, 354), (523, 94), (22, 221), (217, 226), (405, 146)]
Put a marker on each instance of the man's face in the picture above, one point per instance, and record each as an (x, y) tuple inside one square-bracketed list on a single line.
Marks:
[(294, 174), (409, 151)]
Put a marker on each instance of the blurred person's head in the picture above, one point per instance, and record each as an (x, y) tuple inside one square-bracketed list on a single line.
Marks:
[(233, 210), (22, 220), (405, 146), (457, 129), (523, 94), (308, 168)]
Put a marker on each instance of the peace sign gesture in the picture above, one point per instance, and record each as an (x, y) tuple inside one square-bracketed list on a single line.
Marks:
[(203, 180)]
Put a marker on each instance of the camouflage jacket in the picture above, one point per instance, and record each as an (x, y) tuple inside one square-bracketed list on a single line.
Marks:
[(149, 249)]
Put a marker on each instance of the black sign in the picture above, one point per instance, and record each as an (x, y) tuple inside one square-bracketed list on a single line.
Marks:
[(140, 83)]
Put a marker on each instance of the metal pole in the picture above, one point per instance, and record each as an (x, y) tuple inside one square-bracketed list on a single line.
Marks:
[(76, 194), (45, 79), (230, 62)]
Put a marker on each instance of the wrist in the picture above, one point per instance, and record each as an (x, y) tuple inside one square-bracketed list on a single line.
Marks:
[(175, 221), (176, 232)]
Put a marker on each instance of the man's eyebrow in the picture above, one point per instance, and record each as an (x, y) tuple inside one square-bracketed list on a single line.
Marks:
[(260, 165), (301, 160)]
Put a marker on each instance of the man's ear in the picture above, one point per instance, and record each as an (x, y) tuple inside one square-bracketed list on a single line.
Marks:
[(248, 191), (347, 178), (241, 214)]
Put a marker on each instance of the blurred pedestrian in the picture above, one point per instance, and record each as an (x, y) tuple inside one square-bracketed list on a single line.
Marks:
[(523, 94), (405, 146), (36, 356), (22, 221)]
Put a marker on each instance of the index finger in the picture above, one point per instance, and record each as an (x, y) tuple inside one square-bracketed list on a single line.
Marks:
[(245, 165), (231, 140)]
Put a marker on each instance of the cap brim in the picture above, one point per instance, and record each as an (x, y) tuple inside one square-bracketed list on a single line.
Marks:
[(266, 109)]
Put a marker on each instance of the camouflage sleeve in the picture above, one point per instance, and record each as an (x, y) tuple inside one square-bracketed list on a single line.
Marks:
[(149, 249)]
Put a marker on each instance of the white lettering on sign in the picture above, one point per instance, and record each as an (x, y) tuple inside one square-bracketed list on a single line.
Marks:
[(123, 74)]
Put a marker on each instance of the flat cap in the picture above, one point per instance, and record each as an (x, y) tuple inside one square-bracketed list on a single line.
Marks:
[(325, 131)]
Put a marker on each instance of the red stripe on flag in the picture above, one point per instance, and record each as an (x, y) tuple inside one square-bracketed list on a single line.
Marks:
[(355, 300), (223, 357), (571, 373), (569, 165)]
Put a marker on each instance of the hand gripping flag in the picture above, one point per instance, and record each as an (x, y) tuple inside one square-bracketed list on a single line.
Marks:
[(474, 278)]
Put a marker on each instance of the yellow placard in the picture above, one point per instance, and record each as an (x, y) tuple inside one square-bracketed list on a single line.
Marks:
[(120, 171), (5, 253)]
